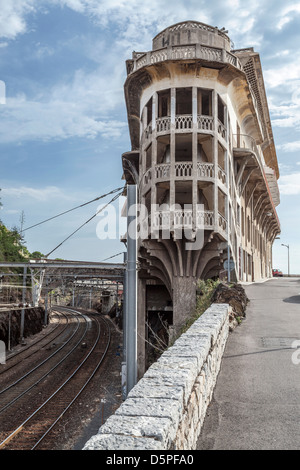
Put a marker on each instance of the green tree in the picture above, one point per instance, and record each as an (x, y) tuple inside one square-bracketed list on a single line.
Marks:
[(11, 248), (37, 255)]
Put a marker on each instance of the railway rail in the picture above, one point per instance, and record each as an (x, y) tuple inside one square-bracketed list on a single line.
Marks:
[(33, 405)]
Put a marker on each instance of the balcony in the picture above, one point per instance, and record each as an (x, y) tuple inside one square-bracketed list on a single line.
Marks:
[(183, 123), (182, 52), (182, 219), (243, 145), (205, 171), (182, 171)]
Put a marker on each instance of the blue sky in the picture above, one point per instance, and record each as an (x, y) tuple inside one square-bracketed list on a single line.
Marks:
[(64, 123)]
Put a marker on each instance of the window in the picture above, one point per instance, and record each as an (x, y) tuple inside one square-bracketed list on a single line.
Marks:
[(184, 101)]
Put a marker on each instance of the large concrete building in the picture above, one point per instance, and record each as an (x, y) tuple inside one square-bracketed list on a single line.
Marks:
[(204, 162)]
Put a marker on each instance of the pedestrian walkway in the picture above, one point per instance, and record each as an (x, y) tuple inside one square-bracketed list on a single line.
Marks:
[(256, 402)]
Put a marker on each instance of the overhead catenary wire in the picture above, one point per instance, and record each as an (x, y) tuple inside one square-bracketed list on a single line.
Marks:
[(85, 223), (70, 210), (113, 256)]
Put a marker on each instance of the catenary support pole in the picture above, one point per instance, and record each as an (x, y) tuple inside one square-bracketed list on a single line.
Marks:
[(23, 303), (125, 295), (131, 320)]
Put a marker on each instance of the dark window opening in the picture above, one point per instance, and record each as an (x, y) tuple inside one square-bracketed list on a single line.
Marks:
[(183, 101), (221, 110), (149, 111)]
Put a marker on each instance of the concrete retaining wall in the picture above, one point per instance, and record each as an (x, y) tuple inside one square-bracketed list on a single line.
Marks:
[(166, 408)]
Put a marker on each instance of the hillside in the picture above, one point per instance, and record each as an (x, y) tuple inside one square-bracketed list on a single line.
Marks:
[(12, 246)]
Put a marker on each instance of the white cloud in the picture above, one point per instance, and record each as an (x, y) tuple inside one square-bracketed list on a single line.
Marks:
[(39, 194), (287, 14), (81, 107), (289, 71), (290, 147), (289, 185), (13, 17)]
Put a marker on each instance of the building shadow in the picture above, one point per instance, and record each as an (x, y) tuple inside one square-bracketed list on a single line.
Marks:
[(295, 299)]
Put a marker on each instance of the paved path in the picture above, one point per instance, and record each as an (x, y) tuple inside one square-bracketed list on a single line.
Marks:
[(256, 402)]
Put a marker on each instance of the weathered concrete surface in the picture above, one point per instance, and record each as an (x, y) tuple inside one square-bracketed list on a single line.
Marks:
[(256, 399)]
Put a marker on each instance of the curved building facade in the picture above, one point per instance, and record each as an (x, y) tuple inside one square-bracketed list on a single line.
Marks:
[(204, 162)]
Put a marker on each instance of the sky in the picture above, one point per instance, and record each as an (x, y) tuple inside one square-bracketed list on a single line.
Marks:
[(64, 121)]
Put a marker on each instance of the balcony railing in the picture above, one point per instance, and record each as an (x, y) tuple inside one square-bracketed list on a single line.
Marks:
[(222, 223), (205, 123), (184, 123), (182, 219), (246, 142), (221, 175), (184, 170), (205, 170), (163, 124), (162, 171), (222, 130), (192, 51)]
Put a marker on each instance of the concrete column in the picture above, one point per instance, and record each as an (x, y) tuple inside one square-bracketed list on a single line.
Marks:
[(172, 147), (154, 147), (215, 154), (143, 153), (184, 299), (194, 156)]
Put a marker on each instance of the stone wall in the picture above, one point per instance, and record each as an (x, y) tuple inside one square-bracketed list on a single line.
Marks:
[(10, 323), (166, 408)]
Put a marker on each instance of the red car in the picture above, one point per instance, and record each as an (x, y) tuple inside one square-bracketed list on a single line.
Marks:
[(277, 273)]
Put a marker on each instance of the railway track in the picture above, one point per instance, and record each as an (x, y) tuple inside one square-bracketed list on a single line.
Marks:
[(32, 406)]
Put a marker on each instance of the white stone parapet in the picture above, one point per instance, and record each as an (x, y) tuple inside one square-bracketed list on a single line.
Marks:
[(167, 407)]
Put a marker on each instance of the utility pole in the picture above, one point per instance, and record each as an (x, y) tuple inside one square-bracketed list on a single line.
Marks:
[(23, 303), (131, 295), (125, 295), (46, 303), (288, 247)]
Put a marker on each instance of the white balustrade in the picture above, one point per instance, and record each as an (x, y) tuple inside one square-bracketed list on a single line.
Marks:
[(205, 219), (221, 175), (147, 176), (183, 169), (184, 122), (222, 222), (192, 51), (205, 123), (163, 124), (205, 170), (183, 218), (162, 171), (222, 129)]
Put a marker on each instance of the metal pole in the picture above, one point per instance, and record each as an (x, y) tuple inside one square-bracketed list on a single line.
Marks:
[(9, 331), (23, 302), (124, 321), (131, 308), (288, 247), (46, 304)]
